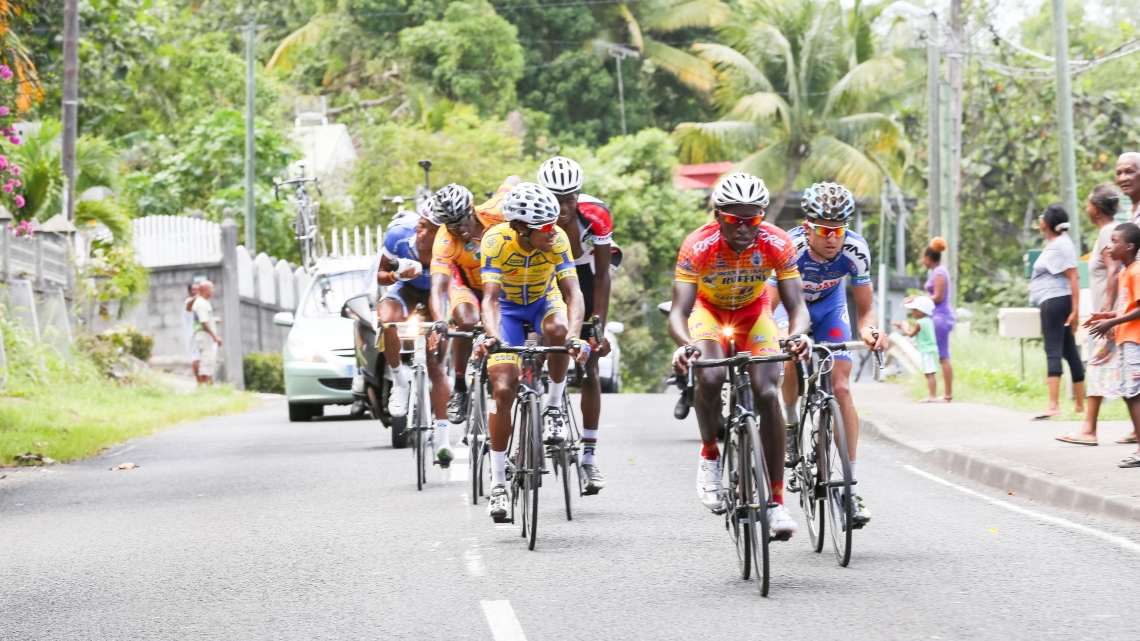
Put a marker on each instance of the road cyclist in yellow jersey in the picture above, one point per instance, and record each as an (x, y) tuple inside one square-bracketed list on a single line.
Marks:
[(528, 278), (456, 281), (719, 296), (589, 228)]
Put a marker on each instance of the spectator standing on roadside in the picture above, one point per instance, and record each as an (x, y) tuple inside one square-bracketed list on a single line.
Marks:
[(1128, 179), (1055, 287), (922, 310), (938, 289), (1103, 372), (1126, 321), (188, 329), (206, 333)]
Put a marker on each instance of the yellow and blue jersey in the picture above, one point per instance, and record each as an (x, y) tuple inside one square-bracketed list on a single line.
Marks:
[(524, 276)]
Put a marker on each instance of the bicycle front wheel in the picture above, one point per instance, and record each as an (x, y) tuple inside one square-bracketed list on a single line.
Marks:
[(535, 465), (758, 500), (735, 509), (420, 427), (836, 476), (477, 442), (808, 474)]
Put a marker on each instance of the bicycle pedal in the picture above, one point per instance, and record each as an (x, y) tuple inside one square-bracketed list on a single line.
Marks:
[(720, 511)]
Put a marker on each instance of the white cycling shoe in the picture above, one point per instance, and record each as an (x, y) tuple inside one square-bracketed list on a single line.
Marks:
[(401, 394), (709, 486), (780, 522)]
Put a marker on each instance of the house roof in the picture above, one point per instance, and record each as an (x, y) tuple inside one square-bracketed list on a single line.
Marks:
[(702, 176)]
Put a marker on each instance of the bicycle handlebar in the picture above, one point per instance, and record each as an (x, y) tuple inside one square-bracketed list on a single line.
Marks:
[(498, 347), (296, 181)]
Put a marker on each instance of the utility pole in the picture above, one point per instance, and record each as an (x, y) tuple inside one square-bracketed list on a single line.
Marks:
[(619, 53), (250, 146), (1065, 121), (934, 125), (955, 61), (949, 193), (70, 103)]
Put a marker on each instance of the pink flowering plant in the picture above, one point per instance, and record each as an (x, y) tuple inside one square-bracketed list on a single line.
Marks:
[(8, 169)]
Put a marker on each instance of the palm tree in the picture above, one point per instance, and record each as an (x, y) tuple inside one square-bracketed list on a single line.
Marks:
[(662, 17), (42, 175), (796, 94)]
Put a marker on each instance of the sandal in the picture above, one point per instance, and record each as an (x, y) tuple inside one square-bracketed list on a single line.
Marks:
[(1044, 417), (1131, 461), (947, 399), (1075, 441), (1124, 440)]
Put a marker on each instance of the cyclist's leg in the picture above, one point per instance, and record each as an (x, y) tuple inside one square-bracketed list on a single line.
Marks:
[(503, 372), (832, 323), (790, 389), (757, 334), (591, 386), (392, 309), (549, 318), (465, 314), (705, 330)]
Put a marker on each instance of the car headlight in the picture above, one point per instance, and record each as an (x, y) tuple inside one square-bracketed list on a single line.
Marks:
[(302, 351)]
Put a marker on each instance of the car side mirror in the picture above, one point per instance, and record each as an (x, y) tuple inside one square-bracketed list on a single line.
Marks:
[(283, 319), (616, 327), (357, 308)]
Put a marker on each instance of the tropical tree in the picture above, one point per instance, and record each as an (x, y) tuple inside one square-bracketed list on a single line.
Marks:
[(663, 17), (96, 163), (798, 98)]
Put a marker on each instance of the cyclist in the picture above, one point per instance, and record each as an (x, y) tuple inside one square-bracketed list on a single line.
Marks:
[(827, 251), (719, 291), (404, 259), (456, 284), (528, 277), (586, 221)]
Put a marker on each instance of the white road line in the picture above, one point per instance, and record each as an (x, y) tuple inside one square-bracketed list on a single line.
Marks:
[(1131, 546), (461, 453), (459, 472), (504, 624)]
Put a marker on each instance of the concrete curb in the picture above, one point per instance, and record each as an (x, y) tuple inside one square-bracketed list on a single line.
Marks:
[(1009, 476)]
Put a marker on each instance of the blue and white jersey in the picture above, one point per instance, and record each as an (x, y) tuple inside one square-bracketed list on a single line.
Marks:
[(400, 242), (824, 278)]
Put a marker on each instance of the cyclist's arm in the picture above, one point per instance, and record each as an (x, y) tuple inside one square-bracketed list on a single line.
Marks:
[(386, 275), (773, 295), (791, 292), (684, 297), (491, 312), (602, 281), (575, 307), (864, 307), (439, 285)]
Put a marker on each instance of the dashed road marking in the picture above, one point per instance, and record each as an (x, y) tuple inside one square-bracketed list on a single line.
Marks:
[(504, 624), (1131, 546)]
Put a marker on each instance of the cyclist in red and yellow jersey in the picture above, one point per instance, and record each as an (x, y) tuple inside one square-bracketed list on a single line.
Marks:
[(718, 293), (456, 284)]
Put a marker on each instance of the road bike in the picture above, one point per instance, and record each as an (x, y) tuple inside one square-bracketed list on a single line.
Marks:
[(526, 463), (821, 471), (747, 487), (419, 429), (305, 224), (477, 435)]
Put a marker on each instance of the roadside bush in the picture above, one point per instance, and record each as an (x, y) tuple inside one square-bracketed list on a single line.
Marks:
[(120, 353), (264, 372)]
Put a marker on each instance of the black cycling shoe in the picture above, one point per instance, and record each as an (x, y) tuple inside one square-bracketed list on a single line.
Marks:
[(594, 481), (553, 416), (457, 407)]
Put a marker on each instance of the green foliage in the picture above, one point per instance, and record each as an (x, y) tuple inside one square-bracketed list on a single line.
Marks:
[(66, 410), (114, 352), (42, 173), (264, 372), (476, 153), (107, 212), (114, 274), (471, 36)]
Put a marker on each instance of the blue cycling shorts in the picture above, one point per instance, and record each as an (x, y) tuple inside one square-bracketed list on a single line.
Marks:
[(830, 322), (514, 315)]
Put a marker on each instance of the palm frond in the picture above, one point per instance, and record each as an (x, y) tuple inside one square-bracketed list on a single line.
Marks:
[(731, 61), (694, 13), (108, 212), (700, 142), (770, 164), (634, 28), (871, 78), (763, 107), (688, 68), (831, 159), (307, 35), (96, 162)]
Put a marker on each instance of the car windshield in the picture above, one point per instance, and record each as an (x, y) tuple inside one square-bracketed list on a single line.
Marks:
[(329, 291)]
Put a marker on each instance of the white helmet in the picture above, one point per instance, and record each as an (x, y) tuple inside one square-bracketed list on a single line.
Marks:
[(530, 204), (740, 189), (561, 175), (427, 208), (452, 203)]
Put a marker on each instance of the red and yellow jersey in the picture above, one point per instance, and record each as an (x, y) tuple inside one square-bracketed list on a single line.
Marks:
[(728, 280), (450, 255)]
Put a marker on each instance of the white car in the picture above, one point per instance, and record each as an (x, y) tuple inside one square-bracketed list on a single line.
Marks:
[(320, 359), (609, 366)]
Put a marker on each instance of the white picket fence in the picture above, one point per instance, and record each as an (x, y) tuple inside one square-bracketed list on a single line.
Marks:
[(343, 242), (162, 241)]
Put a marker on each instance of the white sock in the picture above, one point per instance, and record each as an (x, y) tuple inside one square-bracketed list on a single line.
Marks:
[(589, 446), (397, 375), (442, 438), (853, 471), (791, 414), (554, 393), (498, 467)]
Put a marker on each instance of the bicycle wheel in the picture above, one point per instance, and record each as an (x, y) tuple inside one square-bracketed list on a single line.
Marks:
[(574, 447), (759, 489), (420, 427), (566, 454), (808, 474), (735, 518), (837, 474), (534, 467)]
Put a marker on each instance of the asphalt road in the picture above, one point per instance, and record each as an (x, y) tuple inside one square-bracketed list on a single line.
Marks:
[(249, 527)]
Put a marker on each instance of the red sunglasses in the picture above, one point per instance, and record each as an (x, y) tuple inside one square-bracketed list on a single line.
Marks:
[(544, 228), (751, 221)]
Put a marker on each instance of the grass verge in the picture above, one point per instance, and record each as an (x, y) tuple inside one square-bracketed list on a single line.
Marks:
[(67, 410), (987, 369)]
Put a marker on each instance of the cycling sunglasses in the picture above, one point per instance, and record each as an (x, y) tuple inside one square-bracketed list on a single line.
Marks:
[(751, 221), (544, 228), (827, 232)]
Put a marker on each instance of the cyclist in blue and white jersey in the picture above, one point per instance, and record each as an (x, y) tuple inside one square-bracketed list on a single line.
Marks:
[(828, 252)]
